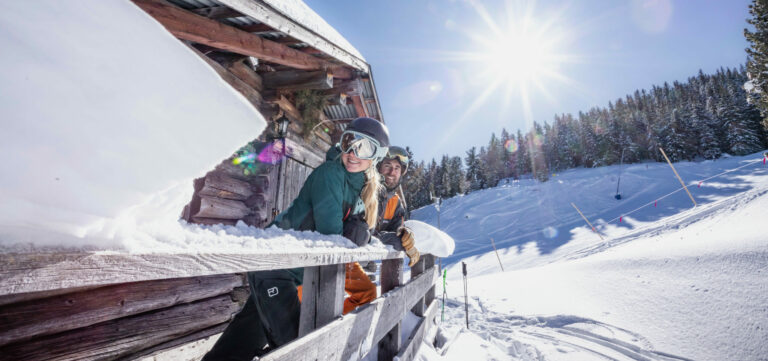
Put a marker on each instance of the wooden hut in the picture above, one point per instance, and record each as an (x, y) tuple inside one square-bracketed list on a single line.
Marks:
[(299, 70), (279, 55)]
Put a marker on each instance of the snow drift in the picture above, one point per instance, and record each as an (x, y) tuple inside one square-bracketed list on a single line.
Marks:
[(106, 120)]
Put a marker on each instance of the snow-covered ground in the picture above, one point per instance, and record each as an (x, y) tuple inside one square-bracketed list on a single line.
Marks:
[(669, 282)]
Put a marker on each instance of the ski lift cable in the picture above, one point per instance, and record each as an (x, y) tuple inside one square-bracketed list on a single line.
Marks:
[(681, 188)]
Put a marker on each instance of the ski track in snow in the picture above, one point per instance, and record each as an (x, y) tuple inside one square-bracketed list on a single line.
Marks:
[(682, 220), (534, 338)]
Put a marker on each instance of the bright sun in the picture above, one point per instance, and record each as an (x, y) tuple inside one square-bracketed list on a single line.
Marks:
[(518, 56)]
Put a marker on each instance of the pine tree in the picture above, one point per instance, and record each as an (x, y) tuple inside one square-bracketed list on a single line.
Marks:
[(757, 63), (482, 169), (523, 165), (458, 183), (473, 169)]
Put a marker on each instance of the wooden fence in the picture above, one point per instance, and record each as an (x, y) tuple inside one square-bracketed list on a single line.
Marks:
[(122, 307)]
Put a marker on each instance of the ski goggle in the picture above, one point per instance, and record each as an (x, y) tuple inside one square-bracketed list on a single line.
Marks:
[(363, 146), (399, 154)]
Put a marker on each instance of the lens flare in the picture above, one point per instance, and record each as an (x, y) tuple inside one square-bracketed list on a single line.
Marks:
[(510, 145), (537, 140), (248, 158), (549, 232), (272, 153)]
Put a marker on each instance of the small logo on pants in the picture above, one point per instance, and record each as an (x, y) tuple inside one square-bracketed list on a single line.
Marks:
[(272, 292)]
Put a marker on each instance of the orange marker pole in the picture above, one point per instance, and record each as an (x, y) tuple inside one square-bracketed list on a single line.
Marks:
[(678, 176), (586, 220), (497, 254)]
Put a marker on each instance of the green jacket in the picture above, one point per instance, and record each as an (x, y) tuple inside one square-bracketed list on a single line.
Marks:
[(328, 196)]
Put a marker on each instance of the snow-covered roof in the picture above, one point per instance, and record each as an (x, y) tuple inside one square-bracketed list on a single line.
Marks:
[(106, 121), (302, 14)]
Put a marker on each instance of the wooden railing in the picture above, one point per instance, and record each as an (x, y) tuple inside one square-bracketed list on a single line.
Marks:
[(93, 306)]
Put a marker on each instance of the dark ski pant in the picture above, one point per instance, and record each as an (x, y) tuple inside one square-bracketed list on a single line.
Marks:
[(269, 319)]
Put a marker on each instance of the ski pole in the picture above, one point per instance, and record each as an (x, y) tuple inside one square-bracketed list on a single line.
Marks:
[(442, 318), (466, 304)]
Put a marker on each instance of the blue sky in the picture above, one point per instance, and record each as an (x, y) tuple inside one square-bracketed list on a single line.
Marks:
[(442, 92)]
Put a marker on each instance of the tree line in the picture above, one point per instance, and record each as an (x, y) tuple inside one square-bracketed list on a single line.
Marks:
[(703, 118)]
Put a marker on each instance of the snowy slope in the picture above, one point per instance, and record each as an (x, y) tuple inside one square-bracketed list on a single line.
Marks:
[(669, 282)]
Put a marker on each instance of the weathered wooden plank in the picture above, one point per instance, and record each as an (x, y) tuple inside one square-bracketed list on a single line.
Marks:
[(267, 15), (257, 28), (59, 313), (322, 297), (411, 347), (296, 80), (250, 94), (256, 201), (351, 337), (217, 12), (429, 262), (213, 207), (330, 295), (391, 277), (29, 296), (299, 152), (189, 26), (359, 107), (116, 338), (417, 269), (218, 180), (391, 274), (166, 349), (309, 300), (35, 272), (213, 221), (210, 191), (247, 74)]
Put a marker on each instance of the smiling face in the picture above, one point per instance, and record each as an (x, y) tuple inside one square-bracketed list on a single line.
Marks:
[(391, 170), (354, 164)]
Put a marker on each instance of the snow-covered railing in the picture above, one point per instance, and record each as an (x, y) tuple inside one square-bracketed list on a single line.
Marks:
[(68, 306)]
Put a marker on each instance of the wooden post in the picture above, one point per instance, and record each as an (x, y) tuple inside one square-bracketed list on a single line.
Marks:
[(678, 176), (429, 264), (308, 300), (391, 276), (497, 254), (416, 270), (322, 297), (586, 220)]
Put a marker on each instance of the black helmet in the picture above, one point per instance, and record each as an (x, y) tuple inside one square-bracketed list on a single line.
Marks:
[(401, 155), (372, 128)]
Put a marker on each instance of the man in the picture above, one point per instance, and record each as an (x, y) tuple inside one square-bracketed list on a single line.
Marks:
[(389, 229), (392, 213), (391, 210)]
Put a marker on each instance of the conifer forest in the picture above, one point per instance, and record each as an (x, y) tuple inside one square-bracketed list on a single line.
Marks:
[(705, 117)]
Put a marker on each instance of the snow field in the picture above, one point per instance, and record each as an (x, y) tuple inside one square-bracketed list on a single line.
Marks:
[(688, 283)]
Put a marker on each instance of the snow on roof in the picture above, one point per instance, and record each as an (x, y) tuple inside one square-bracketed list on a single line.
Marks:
[(107, 118), (302, 14)]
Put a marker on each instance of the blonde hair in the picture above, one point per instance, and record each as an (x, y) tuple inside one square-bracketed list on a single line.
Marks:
[(370, 195)]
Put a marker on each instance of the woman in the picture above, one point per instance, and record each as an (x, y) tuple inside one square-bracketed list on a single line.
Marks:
[(343, 188)]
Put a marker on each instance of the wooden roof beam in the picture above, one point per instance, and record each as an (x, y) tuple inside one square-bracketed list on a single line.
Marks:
[(217, 12), (297, 80), (359, 107), (257, 28), (189, 26)]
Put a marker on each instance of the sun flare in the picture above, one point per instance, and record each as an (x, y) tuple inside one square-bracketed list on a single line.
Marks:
[(520, 57)]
